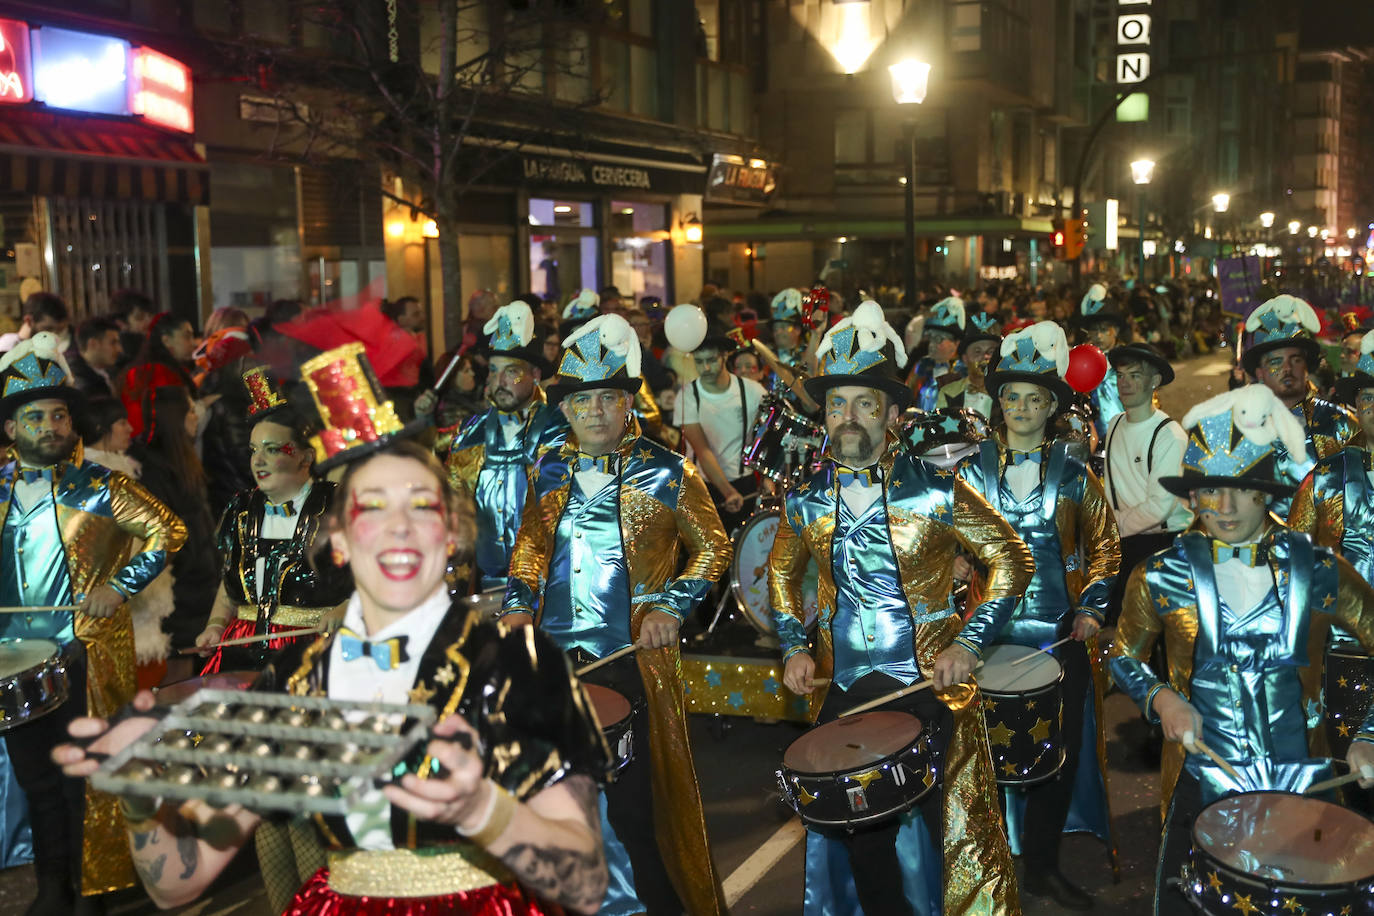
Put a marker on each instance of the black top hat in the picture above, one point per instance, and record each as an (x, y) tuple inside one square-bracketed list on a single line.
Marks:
[(862, 349), (1142, 353)]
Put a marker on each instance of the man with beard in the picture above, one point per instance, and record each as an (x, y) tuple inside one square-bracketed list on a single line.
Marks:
[(491, 457), (1282, 352), (67, 527), (618, 544), (884, 528)]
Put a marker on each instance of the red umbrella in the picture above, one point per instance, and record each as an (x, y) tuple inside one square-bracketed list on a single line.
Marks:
[(395, 354)]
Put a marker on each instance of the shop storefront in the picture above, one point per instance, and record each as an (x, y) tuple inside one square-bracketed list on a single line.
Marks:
[(99, 179)]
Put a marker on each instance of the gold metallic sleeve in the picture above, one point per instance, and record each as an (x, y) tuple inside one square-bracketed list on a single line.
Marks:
[(1353, 607), (1100, 540), (991, 538), (529, 559), (786, 566), (1324, 519), (140, 514), (708, 546)]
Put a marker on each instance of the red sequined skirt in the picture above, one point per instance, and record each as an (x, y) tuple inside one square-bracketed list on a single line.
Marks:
[(316, 898), (237, 629)]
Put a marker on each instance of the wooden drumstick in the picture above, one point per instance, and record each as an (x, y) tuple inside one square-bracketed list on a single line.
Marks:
[(619, 653), (894, 695), (1226, 767), (245, 640), (1318, 787), (1045, 651), (820, 682), (40, 608)]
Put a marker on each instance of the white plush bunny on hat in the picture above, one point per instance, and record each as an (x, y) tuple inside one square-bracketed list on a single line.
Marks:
[(872, 332), (1259, 415)]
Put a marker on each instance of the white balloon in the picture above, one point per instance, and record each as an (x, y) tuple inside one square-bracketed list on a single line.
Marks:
[(685, 327)]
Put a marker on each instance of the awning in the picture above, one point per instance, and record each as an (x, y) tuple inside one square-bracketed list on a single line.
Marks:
[(66, 156)]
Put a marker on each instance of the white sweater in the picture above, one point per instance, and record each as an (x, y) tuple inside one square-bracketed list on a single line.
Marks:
[(1132, 478)]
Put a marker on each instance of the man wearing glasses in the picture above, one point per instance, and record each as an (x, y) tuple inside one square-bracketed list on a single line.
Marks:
[(1282, 352), (1056, 505)]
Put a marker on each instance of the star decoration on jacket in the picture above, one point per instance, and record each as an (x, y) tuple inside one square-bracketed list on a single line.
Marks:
[(645, 454), (1157, 564), (445, 676), (1343, 730), (805, 487), (1162, 601), (420, 693)]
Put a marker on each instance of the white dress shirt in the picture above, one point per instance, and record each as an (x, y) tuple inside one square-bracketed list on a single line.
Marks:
[(858, 494), (1243, 586), (279, 528)]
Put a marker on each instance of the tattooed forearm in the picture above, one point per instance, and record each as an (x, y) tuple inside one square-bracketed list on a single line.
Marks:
[(574, 878), (150, 868), (189, 851)]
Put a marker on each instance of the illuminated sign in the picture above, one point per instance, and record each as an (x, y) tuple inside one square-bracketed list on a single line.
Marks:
[(16, 86), (80, 71), (1133, 35), (160, 89)]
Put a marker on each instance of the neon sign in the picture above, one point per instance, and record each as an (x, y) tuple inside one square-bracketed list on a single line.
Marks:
[(160, 89), (15, 85), (80, 71)]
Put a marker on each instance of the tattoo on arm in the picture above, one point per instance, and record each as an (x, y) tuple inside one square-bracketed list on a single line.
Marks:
[(189, 851), (143, 838), (151, 869), (574, 878)]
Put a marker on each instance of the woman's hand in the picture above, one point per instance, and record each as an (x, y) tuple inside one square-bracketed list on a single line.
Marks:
[(458, 794), (98, 737)]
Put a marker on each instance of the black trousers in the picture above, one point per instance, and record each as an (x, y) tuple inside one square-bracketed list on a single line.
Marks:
[(746, 486), (1134, 550), (873, 852), (1184, 807), (1047, 805), (57, 804), (629, 800)]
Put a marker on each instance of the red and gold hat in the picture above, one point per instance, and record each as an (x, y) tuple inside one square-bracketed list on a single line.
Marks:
[(264, 394), (356, 416)]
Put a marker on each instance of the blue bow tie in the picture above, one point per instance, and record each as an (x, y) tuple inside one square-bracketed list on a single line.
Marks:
[(603, 463), (285, 510), (1250, 554), (866, 476), (387, 653), (1022, 457), (33, 475), (510, 419)]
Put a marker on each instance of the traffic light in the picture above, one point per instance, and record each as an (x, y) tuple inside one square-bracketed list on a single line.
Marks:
[(1057, 239), (1075, 238)]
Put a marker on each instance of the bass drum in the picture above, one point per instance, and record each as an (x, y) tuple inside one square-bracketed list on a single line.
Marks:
[(749, 573)]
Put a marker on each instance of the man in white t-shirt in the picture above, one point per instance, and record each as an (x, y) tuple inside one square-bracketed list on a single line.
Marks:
[(1143, 444), (716, 413)]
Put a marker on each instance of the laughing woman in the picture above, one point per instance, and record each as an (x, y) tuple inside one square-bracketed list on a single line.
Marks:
[(511, 827)]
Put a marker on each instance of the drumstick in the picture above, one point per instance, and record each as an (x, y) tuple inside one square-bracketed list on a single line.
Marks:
[(1226, 767), (618, 653), (820, 682), (894, 695), (245, 640), (1322, 786), (39, 607), (1045, 650)]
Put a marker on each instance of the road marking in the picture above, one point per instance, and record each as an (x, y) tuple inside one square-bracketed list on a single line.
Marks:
[(762, 860)]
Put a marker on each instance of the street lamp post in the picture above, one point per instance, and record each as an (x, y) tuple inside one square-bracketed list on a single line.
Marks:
[(1142, 170), (910, 79)]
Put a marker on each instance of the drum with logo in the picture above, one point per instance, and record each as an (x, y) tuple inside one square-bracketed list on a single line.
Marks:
[(749, 573), (860, 769), (1278, 853)]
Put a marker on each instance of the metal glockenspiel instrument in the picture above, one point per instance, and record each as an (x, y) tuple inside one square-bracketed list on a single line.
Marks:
[(269, 751)]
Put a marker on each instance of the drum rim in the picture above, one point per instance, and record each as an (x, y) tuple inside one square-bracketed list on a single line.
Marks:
[(922, 734), (54, 660), (1254, 879), (990, 691), (736, 585)]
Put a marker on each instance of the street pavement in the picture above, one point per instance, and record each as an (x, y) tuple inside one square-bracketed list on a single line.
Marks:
[(757, 842)]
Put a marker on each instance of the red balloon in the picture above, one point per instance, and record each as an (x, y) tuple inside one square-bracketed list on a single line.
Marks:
[(1087, 368)]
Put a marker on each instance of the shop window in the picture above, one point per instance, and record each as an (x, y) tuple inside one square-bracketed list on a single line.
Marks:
[(100, 246), (639, 267), (486, 262), (545, 211), (563, 263), (628, 217)]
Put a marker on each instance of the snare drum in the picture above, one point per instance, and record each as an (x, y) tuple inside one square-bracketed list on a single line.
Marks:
[(1024, 709), (616, 716), (749, 573), (859, 770), (782, 442), (33, 680), (1347, 682), (1281, 853)]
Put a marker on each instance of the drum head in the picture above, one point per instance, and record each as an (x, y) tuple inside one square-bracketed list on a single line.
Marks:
[(18, 655), (610, 705), (852, 742), (999, 675), (224, 680), (488, 604), (1287, 838), (749, 573)]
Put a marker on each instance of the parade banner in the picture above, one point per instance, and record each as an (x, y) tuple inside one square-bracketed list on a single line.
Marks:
[(1239, 281)]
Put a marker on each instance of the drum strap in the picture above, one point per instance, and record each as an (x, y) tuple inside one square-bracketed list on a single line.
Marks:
[(1149, 458)]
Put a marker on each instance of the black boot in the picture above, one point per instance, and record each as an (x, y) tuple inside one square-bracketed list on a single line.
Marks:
[(55, 896)]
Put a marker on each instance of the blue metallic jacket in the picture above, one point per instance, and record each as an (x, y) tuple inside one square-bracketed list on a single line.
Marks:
[(496, 475), (1255, 674), (1106, 404), (1328, 428), (1335, 504), (1070, 531)]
